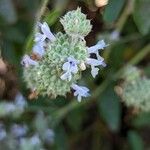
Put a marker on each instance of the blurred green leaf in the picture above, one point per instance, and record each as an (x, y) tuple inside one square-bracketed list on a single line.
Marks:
[(113, 10), (142, 120), (9, 52), (75, 118), (147, 71), (141, 15), (52, 16), (7, 11), (60, 138), (116, 55), (135, 141), (110, 108)]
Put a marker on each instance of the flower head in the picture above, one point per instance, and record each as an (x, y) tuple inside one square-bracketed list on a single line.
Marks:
[(70, 67), (80, 91), (63, 57), (27, 61)]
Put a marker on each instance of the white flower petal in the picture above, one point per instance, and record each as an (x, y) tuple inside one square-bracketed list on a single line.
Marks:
[(70, 67), (38, 48), (100, 45), (27, 61), (74, 69), (79, 98), (66, 76), (39, 37), (93, 62), (66, 66), (94, 71), (46, 31), (80, 91), (72, 59)]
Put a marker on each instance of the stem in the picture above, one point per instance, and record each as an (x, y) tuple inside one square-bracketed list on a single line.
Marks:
[(41, 12), (127, 11)]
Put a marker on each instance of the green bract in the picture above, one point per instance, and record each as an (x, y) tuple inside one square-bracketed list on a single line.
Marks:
[(75, 23)]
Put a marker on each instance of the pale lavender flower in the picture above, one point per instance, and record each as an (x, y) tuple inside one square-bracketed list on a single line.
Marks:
[(95, 49), (39, 49), (100, 45), (46, 33), (35, 139), (3, 133), (80, 91), (49, 136), (94, 63), (20, 101), (27, 61), (18, 130), (115, 35), (70, 67), (10, 107)]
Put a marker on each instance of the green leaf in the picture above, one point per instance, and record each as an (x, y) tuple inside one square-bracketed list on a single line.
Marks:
[(61, 138), (75, 118), (135, 141), (113, 10), (7, 11), (141, 15), (52, 17), (142, 120), (110, 109)]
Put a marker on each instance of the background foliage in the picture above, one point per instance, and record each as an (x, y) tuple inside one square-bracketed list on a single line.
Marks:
[(100, 122)]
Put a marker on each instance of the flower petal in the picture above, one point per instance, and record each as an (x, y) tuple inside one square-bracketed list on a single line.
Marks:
[(39, 37), (46, 31), (93, 62), (100, 45), (66, 76), (38, 48), (27, 61), (80, 91), (66, 66), (74, 69), (94, 71)]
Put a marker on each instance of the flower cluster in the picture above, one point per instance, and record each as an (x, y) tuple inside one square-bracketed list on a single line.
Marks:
[(62, 57), (135, 90), (23, 137), (15, 109)]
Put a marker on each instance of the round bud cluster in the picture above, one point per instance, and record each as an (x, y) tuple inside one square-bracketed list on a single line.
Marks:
[(136, 89), (61, 58), (131, 73), (75, 23)]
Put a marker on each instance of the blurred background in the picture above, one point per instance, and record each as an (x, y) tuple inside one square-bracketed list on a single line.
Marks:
[(103, 122)]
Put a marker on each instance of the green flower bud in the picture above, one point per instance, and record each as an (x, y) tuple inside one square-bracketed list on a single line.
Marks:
[(76, 24), (137, 94), (131, 73)]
